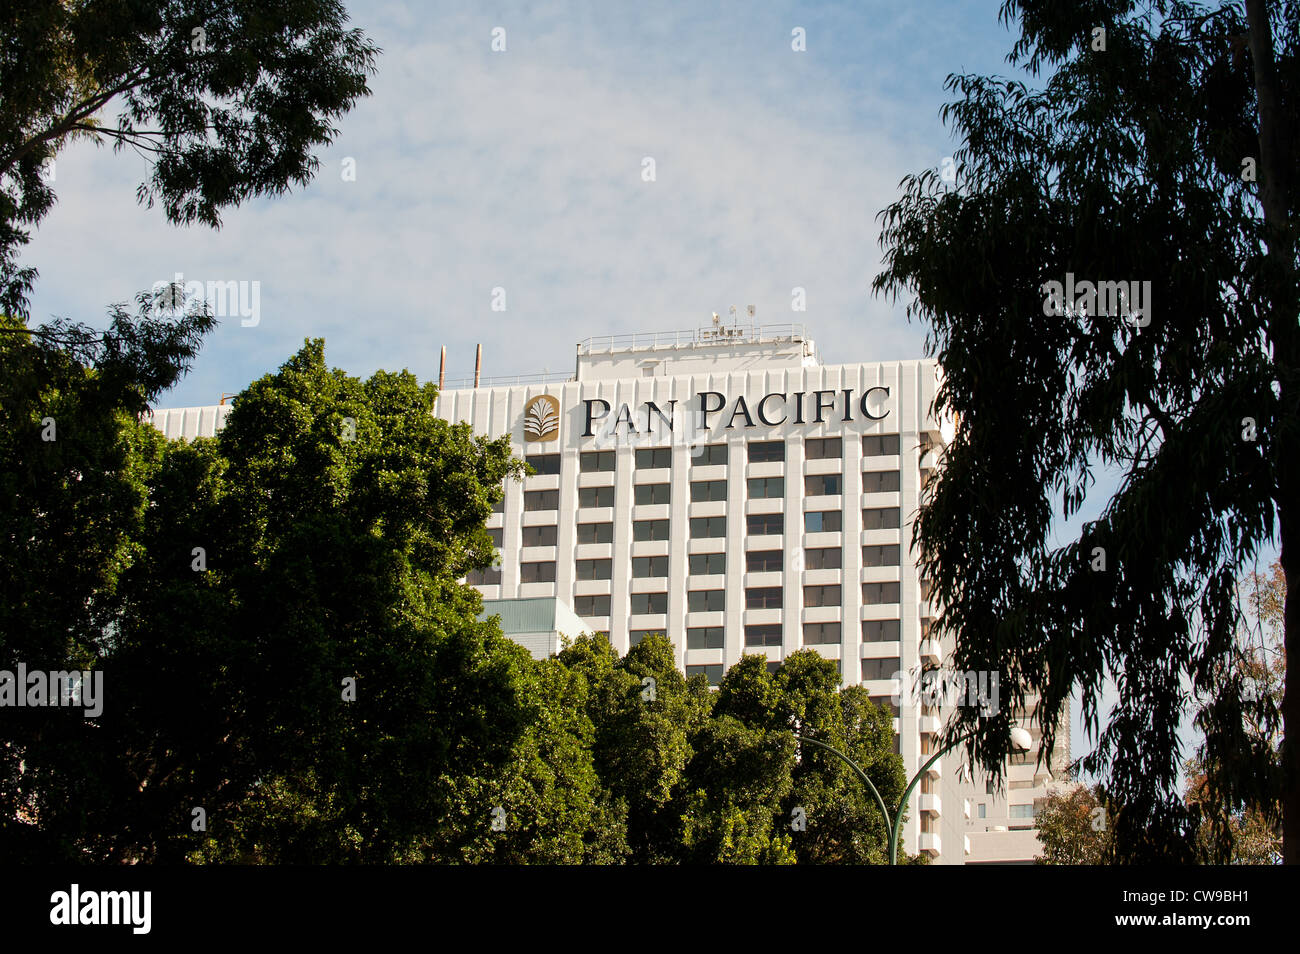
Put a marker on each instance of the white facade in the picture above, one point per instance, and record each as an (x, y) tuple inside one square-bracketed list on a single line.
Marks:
[(727, 489)]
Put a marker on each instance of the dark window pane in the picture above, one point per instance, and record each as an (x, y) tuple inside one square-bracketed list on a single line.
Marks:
[(704, 637), (707, 564), (544, 463), (596, 461), (764, 561), (595, 533), (596, 497), (766, 452), (765, 634)]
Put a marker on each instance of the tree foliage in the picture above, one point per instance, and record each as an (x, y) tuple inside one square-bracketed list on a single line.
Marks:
[(1074, 828), (1126, 165), (226, 99)]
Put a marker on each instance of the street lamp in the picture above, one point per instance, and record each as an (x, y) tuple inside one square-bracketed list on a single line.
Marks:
[(1021, 741)]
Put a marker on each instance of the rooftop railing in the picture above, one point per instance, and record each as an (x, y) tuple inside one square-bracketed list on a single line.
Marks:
[(723, 334), (466, 382)]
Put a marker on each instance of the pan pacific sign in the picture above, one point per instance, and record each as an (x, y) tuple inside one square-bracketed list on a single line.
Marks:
[(771, 410)]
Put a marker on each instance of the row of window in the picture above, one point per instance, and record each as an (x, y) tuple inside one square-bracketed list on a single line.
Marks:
[(814, 634), (705, 491), (714, 601), (704, 528), (713, 672), (711, 564), (699, 564), (825, 448)]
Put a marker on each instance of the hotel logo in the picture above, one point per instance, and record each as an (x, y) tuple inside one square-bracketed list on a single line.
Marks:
[(542, 418)]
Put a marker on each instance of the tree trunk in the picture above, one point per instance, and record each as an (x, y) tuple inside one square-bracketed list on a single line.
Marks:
[(1279, 275)]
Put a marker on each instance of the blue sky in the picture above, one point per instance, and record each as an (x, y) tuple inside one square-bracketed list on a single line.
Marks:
[(523, 170)]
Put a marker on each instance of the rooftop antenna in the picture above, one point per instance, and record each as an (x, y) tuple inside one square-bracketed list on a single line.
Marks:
[(751, 310)]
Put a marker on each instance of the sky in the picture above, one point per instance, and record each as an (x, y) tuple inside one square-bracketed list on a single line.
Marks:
[(523, 170)]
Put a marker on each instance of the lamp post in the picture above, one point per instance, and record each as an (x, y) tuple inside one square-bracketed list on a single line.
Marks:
[(1021, 741)]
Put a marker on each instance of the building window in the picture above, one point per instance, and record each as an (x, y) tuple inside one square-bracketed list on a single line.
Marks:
[(495, 534), (596, 462), (879, 481), (1021, 811), (883, 668), (823, 521), (499, 506), (706, 601), (766, 452), (704, 527), (822, 448), (703, 491), (983, 810), (537, 572), (821, 634), (635, 636), (645, 494), (709, 455), (880, 445), (765, 524), (649, 567), (772, 666), (538, 537), (541, 500), (654, 458), (712, 672), (761, 488), (544, 463), (767, 634), (888, 554), (887, 703), (823, 485), (650, 530), (876, 593), (591, 605), (880, 630), (823, 558), (763, 597), (643, 603), (821, 595), (708, 564), (880, 518), (594, 569), (704, 637), (595, 496), (595, 533), (764, 561), (488, 577)]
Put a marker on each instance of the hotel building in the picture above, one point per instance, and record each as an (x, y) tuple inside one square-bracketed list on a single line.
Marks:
[(726, 488)]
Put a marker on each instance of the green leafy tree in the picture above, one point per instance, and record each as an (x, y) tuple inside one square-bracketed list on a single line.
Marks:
[(291, 635), (74, 495), (1158, 148), (1074, 827), (227, 101), (753, 796), (643, 713)]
